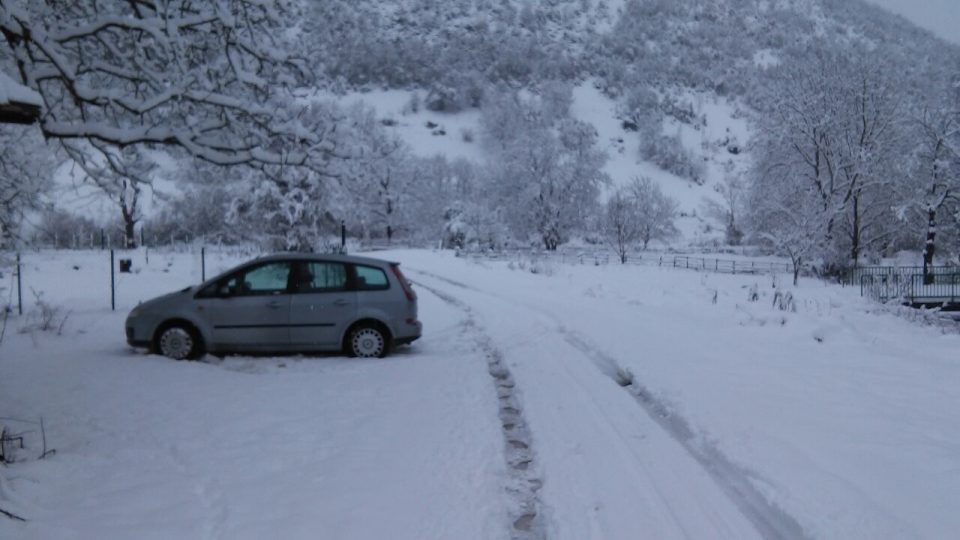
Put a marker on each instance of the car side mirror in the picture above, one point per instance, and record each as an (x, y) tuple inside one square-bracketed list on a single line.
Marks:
[(224, 291)]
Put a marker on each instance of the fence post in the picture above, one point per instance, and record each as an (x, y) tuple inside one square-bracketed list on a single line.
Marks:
[(203, 264), (734, 266), (19, 287), (113, 293)]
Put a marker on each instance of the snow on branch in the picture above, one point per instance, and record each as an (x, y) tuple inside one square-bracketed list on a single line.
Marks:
[(212, 77)]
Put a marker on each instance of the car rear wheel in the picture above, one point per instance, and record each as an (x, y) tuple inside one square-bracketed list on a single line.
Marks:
[(180, 342), (367, 342)]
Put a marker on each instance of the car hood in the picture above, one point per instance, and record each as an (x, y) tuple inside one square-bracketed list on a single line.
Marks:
[(164, 300)]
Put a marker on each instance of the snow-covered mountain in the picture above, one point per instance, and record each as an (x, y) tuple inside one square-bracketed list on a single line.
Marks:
[(703, 60), (669, 86)]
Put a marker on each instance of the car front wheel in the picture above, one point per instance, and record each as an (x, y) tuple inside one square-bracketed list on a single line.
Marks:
[(367, 342), (179, 342)]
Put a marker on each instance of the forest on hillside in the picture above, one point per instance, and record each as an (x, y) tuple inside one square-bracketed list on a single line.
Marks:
[(854, 115)]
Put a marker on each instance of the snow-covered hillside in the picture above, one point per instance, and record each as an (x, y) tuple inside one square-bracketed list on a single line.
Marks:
[(718, 142), (429, 68)]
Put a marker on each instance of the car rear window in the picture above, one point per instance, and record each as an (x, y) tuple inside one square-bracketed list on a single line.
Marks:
[(371, 278)]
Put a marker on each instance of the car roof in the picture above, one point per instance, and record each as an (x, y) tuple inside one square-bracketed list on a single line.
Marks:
[(288, 256)]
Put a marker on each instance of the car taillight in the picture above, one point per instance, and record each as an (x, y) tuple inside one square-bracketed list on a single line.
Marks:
[(411, 296)]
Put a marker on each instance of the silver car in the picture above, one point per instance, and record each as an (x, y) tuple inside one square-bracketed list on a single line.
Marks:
[(284, 303)]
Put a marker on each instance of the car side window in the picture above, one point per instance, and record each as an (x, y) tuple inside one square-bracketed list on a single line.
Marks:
[(319, 276), (263, 279), (371, 278), (270, 278)]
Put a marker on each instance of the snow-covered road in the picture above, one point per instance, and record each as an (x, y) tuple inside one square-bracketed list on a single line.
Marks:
[(577, 403), (610, 470)]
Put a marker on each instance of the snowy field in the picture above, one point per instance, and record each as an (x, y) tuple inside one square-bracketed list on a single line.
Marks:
[(577, 402)]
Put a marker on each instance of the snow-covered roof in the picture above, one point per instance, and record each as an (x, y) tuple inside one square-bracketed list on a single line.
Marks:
[(13, 92)]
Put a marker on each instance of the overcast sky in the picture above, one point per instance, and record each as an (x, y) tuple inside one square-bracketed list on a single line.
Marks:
[(940, 16)]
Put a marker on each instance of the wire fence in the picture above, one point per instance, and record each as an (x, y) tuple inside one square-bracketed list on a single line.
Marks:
[(108, 278), (599, 257)]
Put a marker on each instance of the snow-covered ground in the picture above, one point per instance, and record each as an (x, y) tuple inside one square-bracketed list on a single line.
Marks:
[(580, 402)]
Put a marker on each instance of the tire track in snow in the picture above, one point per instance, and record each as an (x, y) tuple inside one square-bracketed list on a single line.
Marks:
[(208, 492), (524, 481), (770, 521)]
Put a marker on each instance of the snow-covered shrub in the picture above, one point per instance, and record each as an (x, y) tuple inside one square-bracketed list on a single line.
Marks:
[(46, 317), (682, 111), (753, 294), (542, 267), (641, 110), (784, 301), (454, 91), (668, 153), (413, 104)]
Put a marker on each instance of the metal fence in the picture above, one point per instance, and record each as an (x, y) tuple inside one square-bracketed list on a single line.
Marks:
[(940, 284)]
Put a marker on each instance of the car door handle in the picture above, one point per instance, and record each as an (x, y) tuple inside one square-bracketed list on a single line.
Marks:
[(274, 304), (340, 302)]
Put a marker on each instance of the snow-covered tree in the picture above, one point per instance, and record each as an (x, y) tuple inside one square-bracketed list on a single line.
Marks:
[(789, 216), (622, 225), (549, 183), (120, 173), (935, 185), (378, 177), (656, 211), (26, 168), (729, 210), (209, 77), (289, 210), (832, 124), (545, 167)]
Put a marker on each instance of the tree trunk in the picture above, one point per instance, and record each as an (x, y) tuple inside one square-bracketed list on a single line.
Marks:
[(797, 261), (129, 229), (929, 248), (855, 234), (389, 221), (129, 213)]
